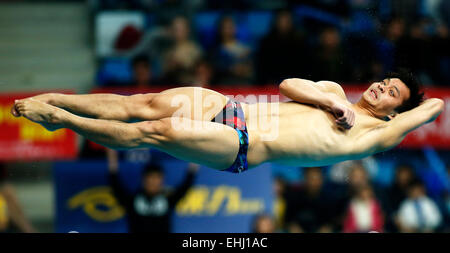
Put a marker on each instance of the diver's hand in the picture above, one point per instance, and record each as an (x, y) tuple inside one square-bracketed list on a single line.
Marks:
[(345, 116)]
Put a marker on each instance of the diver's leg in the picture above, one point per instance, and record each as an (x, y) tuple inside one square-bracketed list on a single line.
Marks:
[(207, 143)]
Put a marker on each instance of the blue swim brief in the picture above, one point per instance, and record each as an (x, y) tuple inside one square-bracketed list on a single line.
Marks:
[(232, 115)]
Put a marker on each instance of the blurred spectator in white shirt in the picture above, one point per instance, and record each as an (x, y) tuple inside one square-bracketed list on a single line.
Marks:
[(418, 213)]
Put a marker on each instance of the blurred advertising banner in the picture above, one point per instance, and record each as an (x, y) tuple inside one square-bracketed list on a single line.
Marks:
[(435, 134), (217, 202), (223, 202), (21, 139)]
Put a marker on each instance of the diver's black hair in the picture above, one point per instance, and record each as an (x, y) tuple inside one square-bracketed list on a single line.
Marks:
[(415, 89)]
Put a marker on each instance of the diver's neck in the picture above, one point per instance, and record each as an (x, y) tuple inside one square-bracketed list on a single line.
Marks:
[(363, 108)]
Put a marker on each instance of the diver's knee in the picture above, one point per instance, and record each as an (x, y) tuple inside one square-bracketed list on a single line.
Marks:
[(159, 129), (136, 104)]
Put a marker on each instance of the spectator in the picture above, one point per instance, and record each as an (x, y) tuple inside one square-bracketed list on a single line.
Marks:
[(263, 223), (11, 212), (204, 73), (142, 73), (404, 175), (387, 48), (281, 52), (180, 58), (4, 215), (150, 209), (359, 177), (329, 60), (232, 58), (364, 213), (418, 213), (310, 209)]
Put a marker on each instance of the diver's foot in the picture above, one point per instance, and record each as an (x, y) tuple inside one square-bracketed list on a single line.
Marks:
[(46, 115)]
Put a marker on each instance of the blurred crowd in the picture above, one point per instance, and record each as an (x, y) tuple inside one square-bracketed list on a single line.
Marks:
[(263, 42), (318, 204), (343, 198), (347, 197)]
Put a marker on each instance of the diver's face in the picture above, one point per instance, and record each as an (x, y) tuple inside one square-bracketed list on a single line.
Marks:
[(386, 95)]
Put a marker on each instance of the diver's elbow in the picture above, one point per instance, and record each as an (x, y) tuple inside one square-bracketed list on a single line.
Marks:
[(284, 84), (437, 106), (440, 105), (289, 84)]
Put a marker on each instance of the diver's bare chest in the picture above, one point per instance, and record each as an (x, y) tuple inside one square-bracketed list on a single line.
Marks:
[(319, 130), (299, 123)]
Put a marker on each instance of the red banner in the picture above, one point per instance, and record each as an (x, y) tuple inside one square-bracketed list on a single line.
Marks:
[(21, 139)]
